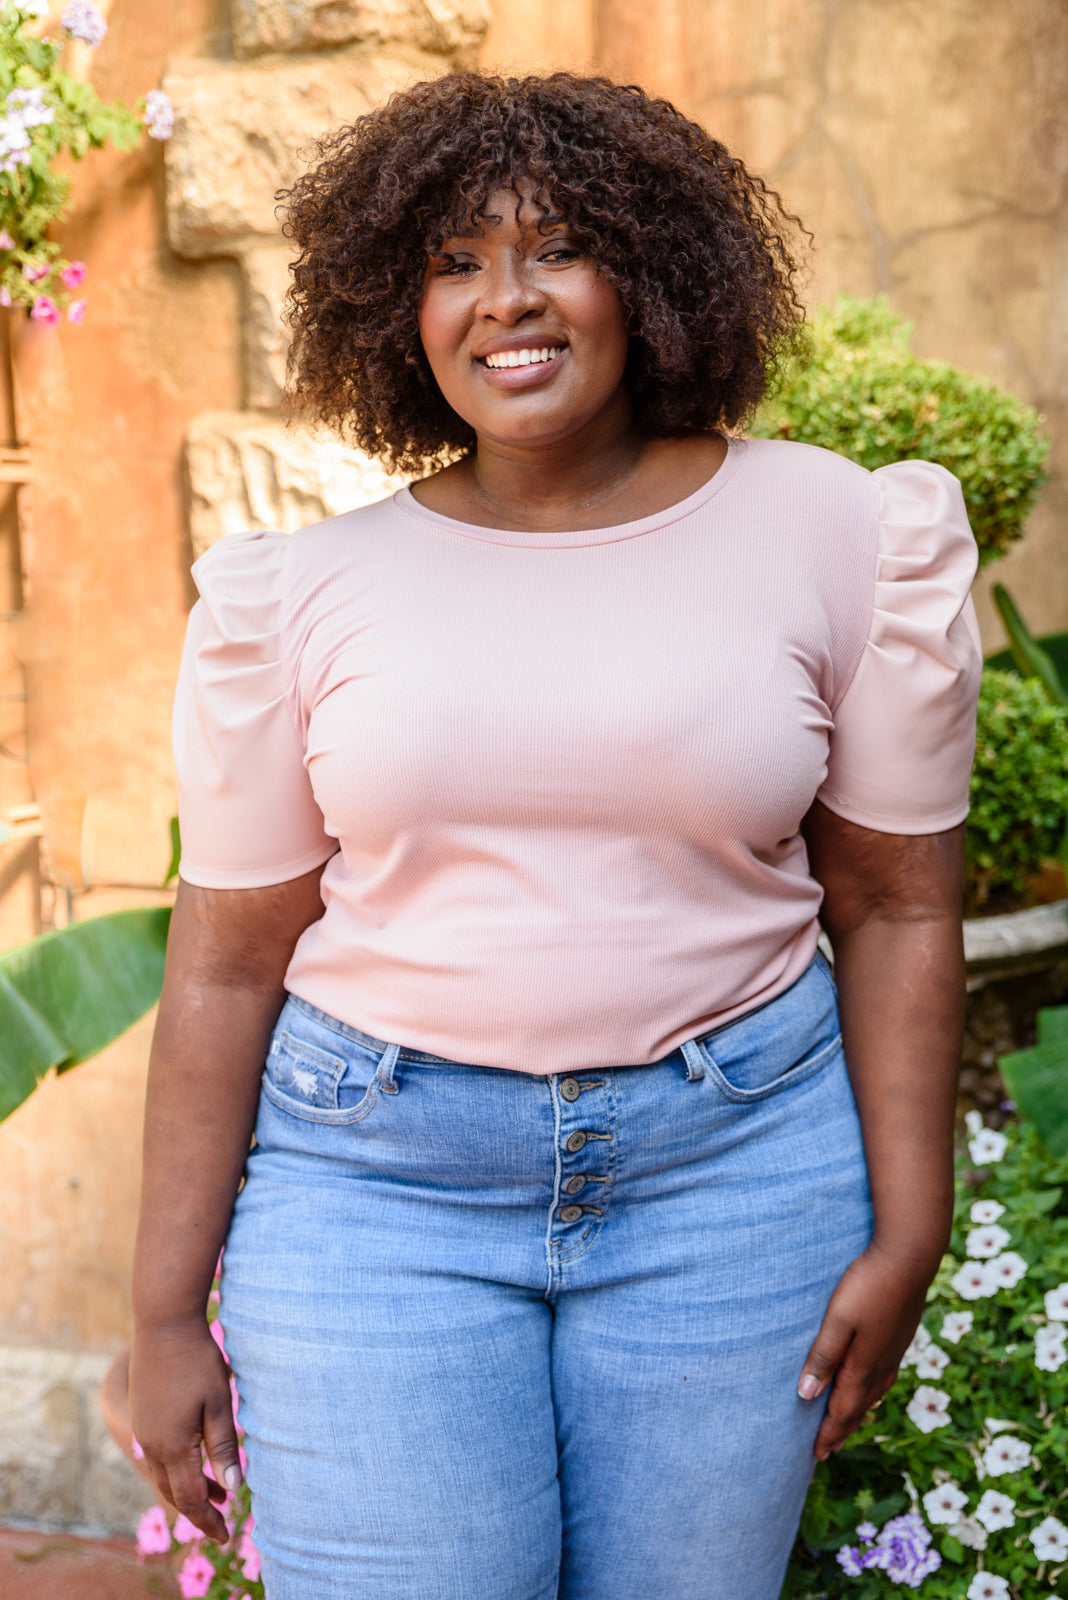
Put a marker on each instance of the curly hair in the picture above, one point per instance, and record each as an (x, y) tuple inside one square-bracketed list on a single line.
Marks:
[(698, 249)]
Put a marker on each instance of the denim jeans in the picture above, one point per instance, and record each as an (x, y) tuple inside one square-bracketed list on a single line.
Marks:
[(500, 1337)]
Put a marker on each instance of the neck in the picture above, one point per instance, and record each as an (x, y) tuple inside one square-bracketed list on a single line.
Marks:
[(536, 484)]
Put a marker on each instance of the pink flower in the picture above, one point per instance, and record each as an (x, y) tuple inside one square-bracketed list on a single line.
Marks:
[(45, 310), (249, 1557), (153, 1533), (196, 1575), (5, 296), (135, 1446), (76, 311), (74, 273), (6, 241), (216, 1331), (34, 271), (184, 1530)]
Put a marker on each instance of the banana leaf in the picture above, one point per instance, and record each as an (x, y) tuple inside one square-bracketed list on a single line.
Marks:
[(66, 995), (1037, 1079), (1032, 661)]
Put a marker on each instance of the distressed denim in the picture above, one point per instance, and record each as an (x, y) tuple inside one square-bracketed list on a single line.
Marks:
[(500, 1337)]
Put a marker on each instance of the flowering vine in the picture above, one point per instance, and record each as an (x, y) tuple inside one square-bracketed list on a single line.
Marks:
[(45, 111)]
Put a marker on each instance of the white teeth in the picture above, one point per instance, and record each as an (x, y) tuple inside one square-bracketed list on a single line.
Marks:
[(522, 358)]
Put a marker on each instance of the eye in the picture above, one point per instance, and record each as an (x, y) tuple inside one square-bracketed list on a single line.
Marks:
[(449, 267), (562, 252)]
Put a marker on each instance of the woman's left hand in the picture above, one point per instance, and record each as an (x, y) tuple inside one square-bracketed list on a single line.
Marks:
[(866, 1329)]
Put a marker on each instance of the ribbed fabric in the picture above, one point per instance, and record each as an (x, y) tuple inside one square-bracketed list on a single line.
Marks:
[(559, 777)]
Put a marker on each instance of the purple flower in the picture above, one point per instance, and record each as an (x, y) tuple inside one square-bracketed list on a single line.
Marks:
[(83, 21), (902, 1550), (159, 114)]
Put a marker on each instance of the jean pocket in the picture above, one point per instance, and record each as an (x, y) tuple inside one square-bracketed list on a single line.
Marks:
[(780, 1045), (318, 1074)]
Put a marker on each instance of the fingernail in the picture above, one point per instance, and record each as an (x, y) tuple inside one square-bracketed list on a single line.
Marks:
[(232, 1479), (809, 1387)]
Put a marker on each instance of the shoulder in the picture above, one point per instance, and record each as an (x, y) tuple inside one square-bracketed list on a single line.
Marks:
[(784, 462)]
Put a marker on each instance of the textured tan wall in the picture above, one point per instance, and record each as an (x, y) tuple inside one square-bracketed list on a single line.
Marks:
[(926, 146)]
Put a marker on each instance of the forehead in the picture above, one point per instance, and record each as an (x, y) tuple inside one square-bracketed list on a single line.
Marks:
[(510, 208)]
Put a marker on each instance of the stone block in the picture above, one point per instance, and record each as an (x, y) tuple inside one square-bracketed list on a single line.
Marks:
[(249, 471), (240, 130), (448, 26), (266, 340), (58, 1465)]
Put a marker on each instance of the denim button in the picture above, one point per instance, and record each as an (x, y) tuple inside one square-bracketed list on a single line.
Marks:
[(570, 1213), (570, 1089), (575, 1142), (573, 1185)]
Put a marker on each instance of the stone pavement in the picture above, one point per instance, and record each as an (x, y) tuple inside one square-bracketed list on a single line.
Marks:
[(57, 1566)]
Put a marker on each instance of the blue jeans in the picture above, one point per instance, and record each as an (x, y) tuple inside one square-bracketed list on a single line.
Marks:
[(500, 1337)]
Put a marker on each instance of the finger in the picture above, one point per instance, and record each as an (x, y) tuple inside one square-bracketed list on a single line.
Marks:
[(190, 1493), (220, 1441), (160, 1478), (857, 1387), (826, 1355)]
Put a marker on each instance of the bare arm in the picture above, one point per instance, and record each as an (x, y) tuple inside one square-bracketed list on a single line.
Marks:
[(892, 910), (226, 960)]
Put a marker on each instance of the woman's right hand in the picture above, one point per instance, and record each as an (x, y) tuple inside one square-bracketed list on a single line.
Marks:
[(179, 1397)]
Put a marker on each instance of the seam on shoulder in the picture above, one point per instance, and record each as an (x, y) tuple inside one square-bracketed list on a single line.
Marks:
[(874, 534)]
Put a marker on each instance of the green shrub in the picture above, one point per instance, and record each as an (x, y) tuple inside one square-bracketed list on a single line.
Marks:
[(1019, 785), (856, 388)]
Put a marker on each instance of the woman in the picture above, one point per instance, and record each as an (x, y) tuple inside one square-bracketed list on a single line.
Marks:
[(508, 808)]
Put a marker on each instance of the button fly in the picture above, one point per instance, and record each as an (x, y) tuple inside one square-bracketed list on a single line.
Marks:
[(570, 1213), (575, 1142), (570, 1089), (573, 1185)]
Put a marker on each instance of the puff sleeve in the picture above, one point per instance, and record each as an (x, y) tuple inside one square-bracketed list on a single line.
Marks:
[(245, 804), (903, 739)]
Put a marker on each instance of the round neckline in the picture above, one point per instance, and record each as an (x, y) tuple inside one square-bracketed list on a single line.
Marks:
[(574, 538)]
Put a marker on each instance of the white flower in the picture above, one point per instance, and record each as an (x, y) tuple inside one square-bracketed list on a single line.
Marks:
[(973, 1121), (83, 21), (974, 1281), (944, 1503), (1057, 1303), (921, 1339), (998, 1424), (987, 1586), (969, 1532), (986, 1211), (1050, 1540), (955, 1325), (996, 1510), (983, 1242), (31, 8), (928, 1408), (1006, 1454), (26, 108), (1007, 1270), (159, 114), (987, 1147), (931, 1362), (1051, 1349)]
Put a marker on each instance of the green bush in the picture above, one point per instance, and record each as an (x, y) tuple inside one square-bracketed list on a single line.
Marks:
[(1019, 785), (856, 388)]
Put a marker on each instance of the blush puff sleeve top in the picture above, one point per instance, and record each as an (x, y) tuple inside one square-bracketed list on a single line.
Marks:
[(556, 779)]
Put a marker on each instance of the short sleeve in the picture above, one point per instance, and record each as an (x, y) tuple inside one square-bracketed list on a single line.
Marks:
[(245, 805), (903, 740)]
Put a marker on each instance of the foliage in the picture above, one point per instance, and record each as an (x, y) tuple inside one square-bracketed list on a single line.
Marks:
[(1037, 1078), (858, 390), (204, 1567), (1029, 657), (67, 994), (992, 1353), (45, 112), (1019, 783)]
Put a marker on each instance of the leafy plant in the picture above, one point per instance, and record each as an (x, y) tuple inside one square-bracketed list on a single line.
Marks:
[(44, 112), (1019, 783), (1029, 656), (1037, 1078), (857, 389), (966, 1459)]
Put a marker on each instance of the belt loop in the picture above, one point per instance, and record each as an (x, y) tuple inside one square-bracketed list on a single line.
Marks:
[(388, 1083), (695, 1061)]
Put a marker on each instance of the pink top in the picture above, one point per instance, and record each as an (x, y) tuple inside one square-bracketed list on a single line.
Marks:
[(557, 778)]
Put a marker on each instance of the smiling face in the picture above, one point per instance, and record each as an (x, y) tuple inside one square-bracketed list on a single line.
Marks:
[(527, 340)]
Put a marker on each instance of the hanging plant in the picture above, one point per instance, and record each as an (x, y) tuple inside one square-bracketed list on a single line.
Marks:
[(45, 112)]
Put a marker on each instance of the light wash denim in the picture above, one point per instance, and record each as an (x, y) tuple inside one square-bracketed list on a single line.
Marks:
[(500, 1337)]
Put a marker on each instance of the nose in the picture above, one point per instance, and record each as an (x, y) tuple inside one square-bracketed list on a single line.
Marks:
[(509, 291)]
